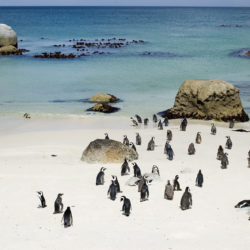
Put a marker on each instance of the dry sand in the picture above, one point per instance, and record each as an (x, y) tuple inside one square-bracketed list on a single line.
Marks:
[(26, 166)]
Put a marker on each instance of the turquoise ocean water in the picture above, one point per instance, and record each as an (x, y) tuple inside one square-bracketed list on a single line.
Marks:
[(180, 43)]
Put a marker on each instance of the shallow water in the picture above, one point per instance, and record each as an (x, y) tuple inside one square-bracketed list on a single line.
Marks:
[(180, 43)]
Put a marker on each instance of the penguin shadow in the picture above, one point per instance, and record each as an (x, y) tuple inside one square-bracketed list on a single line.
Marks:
[(39, 206), (61, 212), (144, 200)]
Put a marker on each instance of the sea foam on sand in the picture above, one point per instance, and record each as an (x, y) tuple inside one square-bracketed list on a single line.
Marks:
[(26, 166)]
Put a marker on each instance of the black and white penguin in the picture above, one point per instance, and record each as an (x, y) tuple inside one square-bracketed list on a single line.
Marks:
[(151, 145), (199, 179), (138, 139), (231, 123), (169, 151), (155, 120), (125, 140), (42, 199), (131, 145), (229, 143), (58, 205), (112, 191), (169, 191), (67, 218), (183, 125), (165, 121), (137, 170), (125, 168), (169, 135), (244, 203), (224, 161), (160, 126), (139, 120), (220, 153), (191, 149), (115, 179), (126, 207), (213, 129), (186, 199), (177, 184), (135, 123), (146, 122), (100, 177), (155, 170), (144, 192), (106, 136), (198, 138)]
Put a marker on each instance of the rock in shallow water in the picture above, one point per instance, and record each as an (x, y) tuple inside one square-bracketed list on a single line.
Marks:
[(7, 36), (103, 108), (108, 151), (103, 98), (207, 99)]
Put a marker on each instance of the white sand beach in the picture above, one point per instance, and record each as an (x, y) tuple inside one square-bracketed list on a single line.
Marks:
[(26, 166)]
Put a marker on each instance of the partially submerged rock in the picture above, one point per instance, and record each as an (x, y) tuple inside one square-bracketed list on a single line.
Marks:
[(207, 99), (108, 151), (104, 108), (7, 36), (11, 50), (103, 98)]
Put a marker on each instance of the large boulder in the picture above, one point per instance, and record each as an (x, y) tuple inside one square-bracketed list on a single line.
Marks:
[(8, 49), (103, 98), (207, 99), (7, 36), (103, 108), (108, 151)]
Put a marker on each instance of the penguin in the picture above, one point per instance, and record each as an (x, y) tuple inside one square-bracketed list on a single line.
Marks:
[(42, 199), (106, 136), (165, 121), (177, 184), (169, 135), (115, 179), (112, 191), (27, 116), (169, 151), (131, 144), (244, 203), (231, 123), (138, 139), (169, 191), (199, 179), (58, 205), (213, 129), (125, 140), (155, 170), (224, 161), (126, 207), (151, 145), (67, 218), (155, 118), (100, 177), (183, 125), (198, 138), (135, 123), (160, 126), (144, 192), (125, 168), (191, 149), (139, 120), (137, 170), (186, 199), (229, 143), (141, 182), (220, 153), (145, 122)]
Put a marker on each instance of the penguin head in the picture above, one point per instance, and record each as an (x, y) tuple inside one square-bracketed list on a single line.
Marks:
[(123, 198), (177, 177), (40, 193), (60, 194), (114, 177), (103, 169), (187, 189), (125, 136), (131, 144), (169, 182)]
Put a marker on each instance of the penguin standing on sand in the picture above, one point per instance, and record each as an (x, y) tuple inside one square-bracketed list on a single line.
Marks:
[(138, 139), (100, 177), (137, 170), (112, 191), (67, 218), (231, 123), (144, 192), (213, 129), (199, 179), (126, 207), (106, 136), (131, 145), (198, 138), (155, 120), (169, 191), (177, 184), (151, 145), (42, 199), (186, 200), (117, 184), (229, 143), (135, 123), (224, 161), (169, 151), (125, 140), (160, 126), (165, 121), (125, 168), (183, 125), (169, 135), (145, 122), (191, 149), (58, 205), (139, 120), (220, 153)]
